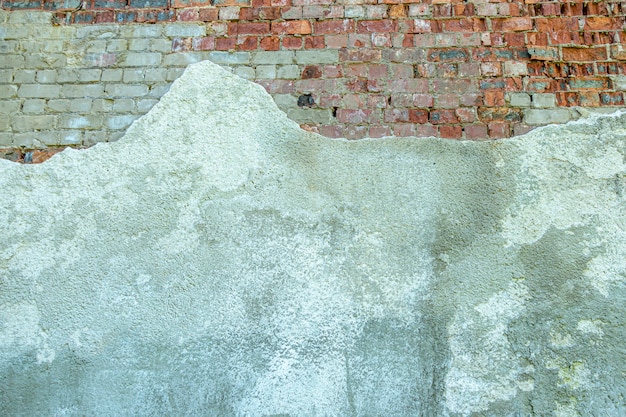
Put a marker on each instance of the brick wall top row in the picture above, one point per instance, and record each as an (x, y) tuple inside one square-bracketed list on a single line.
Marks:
[(603, 14)]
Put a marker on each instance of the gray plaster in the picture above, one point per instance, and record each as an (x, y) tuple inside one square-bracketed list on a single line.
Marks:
[(219, 261)]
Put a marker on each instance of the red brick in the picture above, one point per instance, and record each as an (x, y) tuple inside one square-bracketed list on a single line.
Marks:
[(443, 116), (331, 131), (584, 54), (465, 115), (463, 9), (515, 39), (379, 131), (499, 130), (377, 26), (314, 42), (512, 24), (295, 27), (187, 15), (567, 99), (330, 27), (464, 25), (336, 41), (247, 43), (476, 132), (450, 132), (291, 42), (494, 98), (604, 23), (556, 24), (423, 100), (474, 99), (376, 101), (356, 116), (550, 9), (203, 44), (270, 43), (332, 71), (418, 116), (225, 44), (207, 14)]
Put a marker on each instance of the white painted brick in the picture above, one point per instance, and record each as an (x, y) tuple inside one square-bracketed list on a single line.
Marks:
[(89, 75), (5, 123), (102, 105), (67, 75), (82, 90), (519, 99), (134, 75), (144, 105), (141, 59), (544, 100), (173, 73), (24, 76), (126, 90), (124, 105), (155, 74), (10, 106), (289, 72), (120, 122), (11, 61), (274, 57), (266, 72), (138, 44), (97, 31), (91, 137), (184, 58), (328, 56), (80, 105), (8, 91), (142, 31), (185, 30), (29, 123), (229, 58), (245, 72), (117, 45), (59, 105), (515, 68), (79, 122), (39, 91), (35, 106), (29, 17), (7, 47), (6, 139), (72, 137), (6, 76), (45, 61), (112, 75), (35, 140), (46, 76), (157, 91), (160, 45), (543, 117)]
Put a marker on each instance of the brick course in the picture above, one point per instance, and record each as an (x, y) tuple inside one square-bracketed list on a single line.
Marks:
[(454, 69)]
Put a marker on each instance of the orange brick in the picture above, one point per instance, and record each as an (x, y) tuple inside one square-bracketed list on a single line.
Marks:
[(512, 24), (584, 54), (294, 27)]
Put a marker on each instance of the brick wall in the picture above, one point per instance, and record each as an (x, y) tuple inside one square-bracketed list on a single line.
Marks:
[(78, 72)]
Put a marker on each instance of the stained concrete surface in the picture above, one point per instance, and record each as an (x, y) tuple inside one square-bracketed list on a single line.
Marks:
[(219, 261)]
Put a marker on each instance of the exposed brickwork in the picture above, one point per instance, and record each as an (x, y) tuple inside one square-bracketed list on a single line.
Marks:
[(453, 69)]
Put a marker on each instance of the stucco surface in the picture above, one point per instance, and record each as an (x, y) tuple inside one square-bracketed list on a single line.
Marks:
[(219, 261)]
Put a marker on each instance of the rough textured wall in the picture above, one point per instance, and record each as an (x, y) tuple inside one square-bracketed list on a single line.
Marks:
[(454, 69), (244, 267)]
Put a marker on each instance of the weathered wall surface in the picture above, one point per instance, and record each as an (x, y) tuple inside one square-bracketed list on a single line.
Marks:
[(243, 266), (81, 72)]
